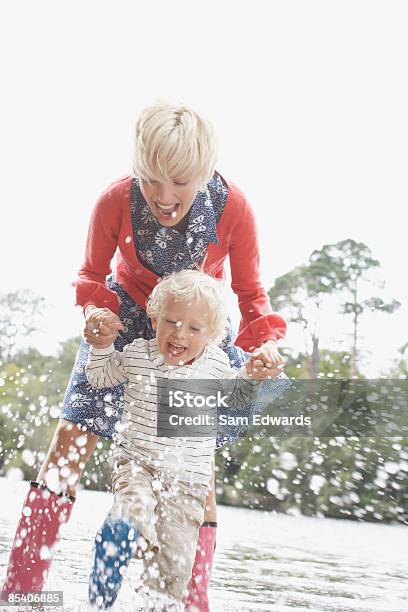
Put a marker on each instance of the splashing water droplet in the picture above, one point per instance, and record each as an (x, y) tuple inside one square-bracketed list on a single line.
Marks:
[(65, 472), (45, 553), (73, 479), (52, 479), (111, 550), (54, 412), (288, 461), (272, 485), (28, 457), (392, 467), (14, 474), (81, 441), (316, 483)]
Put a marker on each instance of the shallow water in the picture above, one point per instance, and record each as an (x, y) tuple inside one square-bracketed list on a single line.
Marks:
[(263, 561)]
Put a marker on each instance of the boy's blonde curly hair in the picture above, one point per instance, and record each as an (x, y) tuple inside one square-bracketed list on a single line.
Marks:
[(192, 285)]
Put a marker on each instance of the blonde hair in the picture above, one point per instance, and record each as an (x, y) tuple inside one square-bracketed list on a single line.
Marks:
[(174, 142), (193, 285)]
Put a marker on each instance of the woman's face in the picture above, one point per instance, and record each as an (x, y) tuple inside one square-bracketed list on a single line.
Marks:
[(169, 201)]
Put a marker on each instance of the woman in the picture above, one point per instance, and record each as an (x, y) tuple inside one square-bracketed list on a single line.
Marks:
[(174, 213)]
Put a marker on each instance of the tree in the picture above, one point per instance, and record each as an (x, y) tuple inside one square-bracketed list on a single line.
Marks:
[(19, 313), (353, 262), (339, 268), (300, 293)]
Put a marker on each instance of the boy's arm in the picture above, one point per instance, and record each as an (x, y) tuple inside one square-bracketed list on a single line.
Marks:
[(105, 367), (243, 384), (240, 386)]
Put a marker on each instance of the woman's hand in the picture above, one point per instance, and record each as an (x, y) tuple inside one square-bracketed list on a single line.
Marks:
[(265, 361), (101, 327)]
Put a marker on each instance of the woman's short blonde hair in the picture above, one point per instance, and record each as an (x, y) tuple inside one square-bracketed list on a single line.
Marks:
[(174, 142), (192, 285)]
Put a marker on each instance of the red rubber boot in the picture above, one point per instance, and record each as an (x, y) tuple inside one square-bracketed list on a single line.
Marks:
[(36, 538), (197, 599)]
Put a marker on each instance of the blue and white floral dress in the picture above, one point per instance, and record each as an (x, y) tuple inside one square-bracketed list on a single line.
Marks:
[(163, 250)]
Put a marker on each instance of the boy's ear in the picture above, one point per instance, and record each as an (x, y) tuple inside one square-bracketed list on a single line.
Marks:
[(154, 324)]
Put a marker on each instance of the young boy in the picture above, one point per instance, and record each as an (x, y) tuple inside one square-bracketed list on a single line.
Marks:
[(160, 483)]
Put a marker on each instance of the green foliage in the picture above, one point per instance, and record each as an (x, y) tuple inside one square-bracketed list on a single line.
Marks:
[(356, 478), (360, 478), (19, 314), (31, 391)]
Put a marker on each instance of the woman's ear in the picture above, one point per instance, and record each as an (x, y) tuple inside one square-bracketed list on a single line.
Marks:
[(154, 324)]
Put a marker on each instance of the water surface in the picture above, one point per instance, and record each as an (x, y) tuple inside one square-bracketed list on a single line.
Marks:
[(263, 561)]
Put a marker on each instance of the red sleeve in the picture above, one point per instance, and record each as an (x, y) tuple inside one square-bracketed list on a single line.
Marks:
[(258, 322), (102, 240)]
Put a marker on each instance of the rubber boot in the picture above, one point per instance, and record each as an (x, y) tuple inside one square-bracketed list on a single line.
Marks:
[(115, 545), (36, 538), (197, 599)]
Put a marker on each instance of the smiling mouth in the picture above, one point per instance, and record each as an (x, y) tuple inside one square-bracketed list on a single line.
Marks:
[(167, 211), (176, 349)]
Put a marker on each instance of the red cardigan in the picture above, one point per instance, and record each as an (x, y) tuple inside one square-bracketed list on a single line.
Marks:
[(110, 230)]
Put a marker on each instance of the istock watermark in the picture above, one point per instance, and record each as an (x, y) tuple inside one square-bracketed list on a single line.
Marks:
[(324, 408), (185, 399)]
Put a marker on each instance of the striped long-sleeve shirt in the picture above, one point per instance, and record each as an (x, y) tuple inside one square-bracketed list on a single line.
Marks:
[(138, 367)]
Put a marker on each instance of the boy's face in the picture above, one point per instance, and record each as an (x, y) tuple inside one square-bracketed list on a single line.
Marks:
[(182, 330)]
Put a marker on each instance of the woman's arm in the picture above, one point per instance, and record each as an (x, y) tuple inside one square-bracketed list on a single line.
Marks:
[(258, 322), (101, 245)]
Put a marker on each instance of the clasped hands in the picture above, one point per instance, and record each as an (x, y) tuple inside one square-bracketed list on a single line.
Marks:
[(102, 326), (265, 362)]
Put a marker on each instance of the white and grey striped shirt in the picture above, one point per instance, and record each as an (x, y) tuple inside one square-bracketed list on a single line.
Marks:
[(138, 368)]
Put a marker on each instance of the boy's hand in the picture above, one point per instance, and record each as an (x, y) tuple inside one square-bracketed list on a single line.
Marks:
[(265, 361), (101, 327)]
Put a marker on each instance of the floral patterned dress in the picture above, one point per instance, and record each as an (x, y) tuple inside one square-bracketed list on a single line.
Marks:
[(163, 250)]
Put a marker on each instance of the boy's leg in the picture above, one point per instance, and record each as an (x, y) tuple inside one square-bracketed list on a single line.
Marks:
[(115, 545), (180, 513), (118, 539)]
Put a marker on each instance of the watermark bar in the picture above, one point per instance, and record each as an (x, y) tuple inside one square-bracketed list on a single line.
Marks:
[(42, 600), (322, 408)]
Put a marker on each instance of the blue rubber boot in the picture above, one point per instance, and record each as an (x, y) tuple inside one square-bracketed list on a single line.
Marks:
[(115, 545)]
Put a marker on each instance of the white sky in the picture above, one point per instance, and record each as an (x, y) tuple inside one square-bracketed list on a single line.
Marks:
[(309, 100)]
